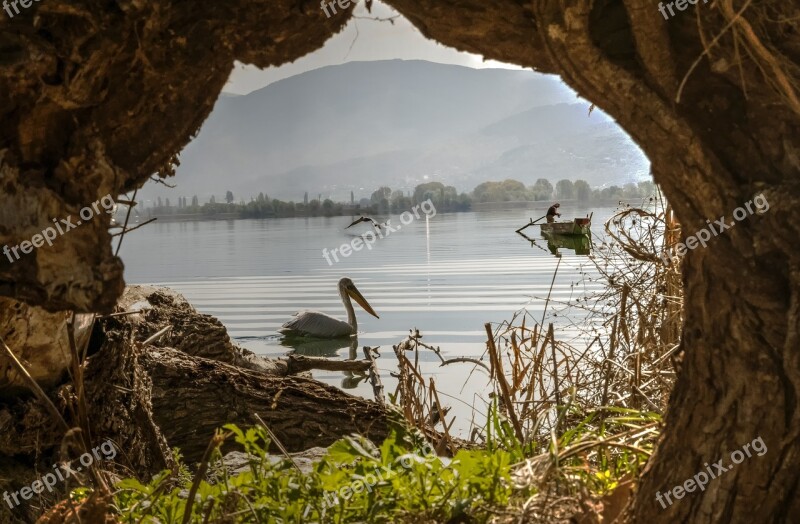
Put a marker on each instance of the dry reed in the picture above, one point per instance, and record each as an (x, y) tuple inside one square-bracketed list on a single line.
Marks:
[(585, 386)]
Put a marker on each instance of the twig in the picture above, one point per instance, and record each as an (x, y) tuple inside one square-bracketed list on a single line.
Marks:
[(134, 228), (707, 50), (122, 314), (555, 366), (277, 442), (160, 181), (156, 336), (125, 225), (77, 380), (389, 19), (443, 413), (374, 377), (465, 359), (355, 37), (650, 402), (550, 291), (83, 410), (35, 387), (501, 380), (213, 444)]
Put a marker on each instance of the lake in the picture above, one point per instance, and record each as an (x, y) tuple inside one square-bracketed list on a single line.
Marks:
[(445, 276)]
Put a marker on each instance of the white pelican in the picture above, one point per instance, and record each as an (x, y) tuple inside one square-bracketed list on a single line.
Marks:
[(320, 325)]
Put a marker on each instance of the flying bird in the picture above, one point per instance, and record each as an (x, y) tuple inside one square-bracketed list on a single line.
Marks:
[(321, 325), (366, 219)]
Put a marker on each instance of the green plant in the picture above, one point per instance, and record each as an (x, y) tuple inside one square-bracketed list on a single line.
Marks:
[(357, 481)]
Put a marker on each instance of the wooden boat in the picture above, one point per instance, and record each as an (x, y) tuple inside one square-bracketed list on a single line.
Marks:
[(578, 227)]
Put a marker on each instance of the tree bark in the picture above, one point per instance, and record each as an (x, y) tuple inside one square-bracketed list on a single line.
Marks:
[(40, 340), (94, 98), (192, 397), (117, 392), (740, 378)]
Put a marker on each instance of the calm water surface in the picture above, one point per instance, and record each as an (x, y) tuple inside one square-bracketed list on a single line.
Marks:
[(446, 276)]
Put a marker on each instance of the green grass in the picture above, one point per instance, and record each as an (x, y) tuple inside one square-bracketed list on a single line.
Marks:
[(356, 481), (400, 480)]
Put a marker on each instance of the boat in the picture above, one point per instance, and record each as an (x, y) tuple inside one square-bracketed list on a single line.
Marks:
[(578, 227), (574, 235)]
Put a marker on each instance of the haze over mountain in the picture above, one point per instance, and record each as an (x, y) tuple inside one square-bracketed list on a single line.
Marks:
[(361, 125)]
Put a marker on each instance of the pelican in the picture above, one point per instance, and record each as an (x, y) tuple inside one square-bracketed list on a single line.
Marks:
[(319, 325), (365, 219)]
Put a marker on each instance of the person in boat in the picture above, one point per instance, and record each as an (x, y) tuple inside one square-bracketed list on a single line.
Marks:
[(552, 212)]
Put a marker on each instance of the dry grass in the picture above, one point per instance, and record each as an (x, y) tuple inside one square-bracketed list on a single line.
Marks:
[(581, 394)]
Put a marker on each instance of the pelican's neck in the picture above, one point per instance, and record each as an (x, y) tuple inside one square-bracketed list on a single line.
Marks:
[(351, 313)]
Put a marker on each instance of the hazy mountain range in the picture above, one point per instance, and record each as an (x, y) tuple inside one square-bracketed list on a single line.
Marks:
[(399, 123)]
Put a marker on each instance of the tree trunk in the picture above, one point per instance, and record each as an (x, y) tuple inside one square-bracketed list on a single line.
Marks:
[(95, 98), (117, 392), (46, 353)]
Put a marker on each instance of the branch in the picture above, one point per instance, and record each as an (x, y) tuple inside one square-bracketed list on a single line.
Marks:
[(298, 364)]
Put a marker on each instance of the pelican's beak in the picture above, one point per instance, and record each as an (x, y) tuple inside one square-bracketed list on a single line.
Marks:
[(359, 298)]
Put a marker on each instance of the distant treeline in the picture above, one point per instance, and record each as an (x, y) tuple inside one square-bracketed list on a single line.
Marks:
[(384, 200)]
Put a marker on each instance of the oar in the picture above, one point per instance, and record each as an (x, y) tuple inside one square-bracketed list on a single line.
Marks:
[(532, 222)]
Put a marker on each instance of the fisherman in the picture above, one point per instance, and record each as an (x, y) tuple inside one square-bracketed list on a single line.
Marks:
[(552, 212)]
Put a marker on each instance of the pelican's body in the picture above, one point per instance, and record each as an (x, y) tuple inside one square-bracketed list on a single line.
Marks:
[(321, 325)]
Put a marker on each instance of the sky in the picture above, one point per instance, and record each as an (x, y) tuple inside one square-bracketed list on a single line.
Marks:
[(361, 40)]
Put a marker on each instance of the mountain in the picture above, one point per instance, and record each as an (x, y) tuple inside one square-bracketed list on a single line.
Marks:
[(564, 141), (398, 123)]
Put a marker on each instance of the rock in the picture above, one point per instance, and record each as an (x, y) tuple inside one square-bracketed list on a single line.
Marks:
[(237, 462)]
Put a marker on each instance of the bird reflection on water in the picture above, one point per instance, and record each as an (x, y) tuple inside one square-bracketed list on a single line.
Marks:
[(328, 348)]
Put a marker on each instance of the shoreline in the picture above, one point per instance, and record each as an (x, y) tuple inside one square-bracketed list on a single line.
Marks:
[(476, 207)]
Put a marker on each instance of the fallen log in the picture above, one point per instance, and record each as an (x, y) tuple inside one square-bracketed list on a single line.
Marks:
[(193, 396), (202, 380), (191, 332), (294, 364)]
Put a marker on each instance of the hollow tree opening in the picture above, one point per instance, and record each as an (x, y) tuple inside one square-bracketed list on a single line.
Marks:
[(96, 98)]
